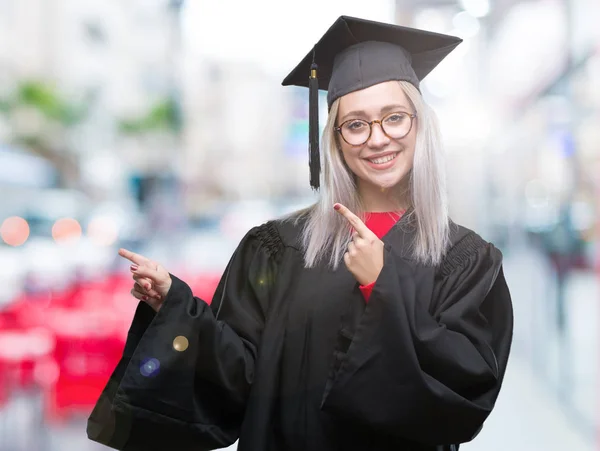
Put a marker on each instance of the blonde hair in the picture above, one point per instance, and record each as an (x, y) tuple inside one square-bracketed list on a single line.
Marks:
[(325, 232)]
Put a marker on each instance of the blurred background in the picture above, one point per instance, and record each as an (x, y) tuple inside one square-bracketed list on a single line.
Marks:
[(162, 126)]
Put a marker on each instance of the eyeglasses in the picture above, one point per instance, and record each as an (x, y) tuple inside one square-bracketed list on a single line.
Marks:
[(396, 125)]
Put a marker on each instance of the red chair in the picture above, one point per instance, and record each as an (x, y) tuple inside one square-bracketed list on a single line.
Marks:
[(89, 344), (4, 384), (20, 351), (204, 285), (90, 324)]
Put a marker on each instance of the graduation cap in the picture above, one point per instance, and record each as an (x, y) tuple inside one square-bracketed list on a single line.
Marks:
[(355, 54)]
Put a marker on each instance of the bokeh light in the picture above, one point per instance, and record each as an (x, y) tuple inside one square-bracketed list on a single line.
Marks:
[(103, 231), (66, 229), (476, 8), (46, 372), (150, 367), (14, 231), (466, 26)]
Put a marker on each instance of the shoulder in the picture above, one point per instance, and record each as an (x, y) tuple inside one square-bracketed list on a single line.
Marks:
[(464, 239), (281, 233), (289, 228), (465, 245)]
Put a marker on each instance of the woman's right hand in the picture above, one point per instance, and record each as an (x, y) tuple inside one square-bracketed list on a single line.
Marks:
[(152, 281)]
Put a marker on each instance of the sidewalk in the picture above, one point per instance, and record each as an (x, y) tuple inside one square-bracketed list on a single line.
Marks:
[(526, 418)]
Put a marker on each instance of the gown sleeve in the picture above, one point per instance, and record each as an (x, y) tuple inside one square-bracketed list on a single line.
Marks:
[(422, 367), (186, 371)]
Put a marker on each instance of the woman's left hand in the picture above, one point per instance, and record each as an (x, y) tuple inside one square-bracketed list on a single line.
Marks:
[(152, 281), (364, 258)]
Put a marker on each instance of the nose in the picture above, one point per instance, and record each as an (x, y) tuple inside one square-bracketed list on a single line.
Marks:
[(378, 138)]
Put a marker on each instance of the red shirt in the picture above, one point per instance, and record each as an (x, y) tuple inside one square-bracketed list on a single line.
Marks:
[(379, 224)]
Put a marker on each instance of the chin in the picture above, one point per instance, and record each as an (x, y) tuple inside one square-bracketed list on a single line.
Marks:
[(389, 180), (385, 182)]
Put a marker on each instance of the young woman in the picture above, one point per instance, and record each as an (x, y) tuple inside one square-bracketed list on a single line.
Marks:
[(369, 321)]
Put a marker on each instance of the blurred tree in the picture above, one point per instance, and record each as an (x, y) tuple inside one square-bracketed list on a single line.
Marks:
[(159, 131), (40, 119), (163, 116), (48, 101), (4, 106)]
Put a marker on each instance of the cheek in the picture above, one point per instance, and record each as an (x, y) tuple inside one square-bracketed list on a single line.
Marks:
[(410, 147), (411, 152), (410, 158), (349, 154)]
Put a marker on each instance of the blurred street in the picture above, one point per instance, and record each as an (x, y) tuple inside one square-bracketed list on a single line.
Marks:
[(527, 417), (161, 126)]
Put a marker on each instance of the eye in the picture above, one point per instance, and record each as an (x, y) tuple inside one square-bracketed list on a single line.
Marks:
[(355, 125), (395, 118)]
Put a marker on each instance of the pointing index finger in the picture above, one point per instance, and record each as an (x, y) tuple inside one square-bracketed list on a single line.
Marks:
[(133, 257), (354, 221)]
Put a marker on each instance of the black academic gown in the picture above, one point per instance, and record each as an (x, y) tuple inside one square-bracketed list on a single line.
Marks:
[(287, 358)]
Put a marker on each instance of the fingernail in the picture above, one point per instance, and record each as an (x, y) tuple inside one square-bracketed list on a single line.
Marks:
[(145, 298), (336, 206), (147, 286), (134, 267)]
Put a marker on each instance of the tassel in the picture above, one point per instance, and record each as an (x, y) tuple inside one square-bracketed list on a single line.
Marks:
[(314, 160)]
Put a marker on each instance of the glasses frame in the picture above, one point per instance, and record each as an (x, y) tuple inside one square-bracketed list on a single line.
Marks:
[(376, 121)]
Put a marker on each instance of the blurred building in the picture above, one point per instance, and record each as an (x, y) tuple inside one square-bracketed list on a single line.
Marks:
[(523, 130), (236, 121), (117, 58)]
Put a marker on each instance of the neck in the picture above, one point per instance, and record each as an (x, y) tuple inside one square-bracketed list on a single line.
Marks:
[(377, 199)]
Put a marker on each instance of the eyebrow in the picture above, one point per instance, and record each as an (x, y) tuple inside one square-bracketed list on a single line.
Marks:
[(384, 110)]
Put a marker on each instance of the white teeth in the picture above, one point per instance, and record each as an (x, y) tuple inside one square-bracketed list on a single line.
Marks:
[(384, 159)]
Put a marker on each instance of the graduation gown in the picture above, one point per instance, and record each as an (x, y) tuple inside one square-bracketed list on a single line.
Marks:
[(287, 358)]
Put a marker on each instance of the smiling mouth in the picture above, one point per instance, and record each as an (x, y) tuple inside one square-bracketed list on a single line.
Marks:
[(383, 160)]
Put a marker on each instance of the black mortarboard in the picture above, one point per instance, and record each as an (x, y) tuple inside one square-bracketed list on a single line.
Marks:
[(355, 54)]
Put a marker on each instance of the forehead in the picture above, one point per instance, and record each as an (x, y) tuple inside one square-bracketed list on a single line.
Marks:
[(373, 99)]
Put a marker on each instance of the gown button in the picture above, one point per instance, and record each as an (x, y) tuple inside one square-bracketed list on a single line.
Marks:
[(180, 343)]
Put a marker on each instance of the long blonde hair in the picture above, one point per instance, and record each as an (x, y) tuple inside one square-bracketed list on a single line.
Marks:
[(325, 232)]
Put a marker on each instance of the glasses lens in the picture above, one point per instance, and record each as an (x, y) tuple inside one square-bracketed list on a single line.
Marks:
[(397, 125), (356, 132)]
